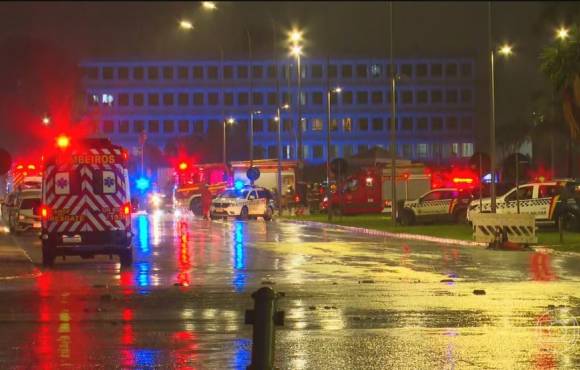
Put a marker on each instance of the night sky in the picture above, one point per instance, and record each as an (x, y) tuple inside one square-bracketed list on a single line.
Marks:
[(148, 30)]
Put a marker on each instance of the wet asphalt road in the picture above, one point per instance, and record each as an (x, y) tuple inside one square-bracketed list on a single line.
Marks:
[(351, 301)]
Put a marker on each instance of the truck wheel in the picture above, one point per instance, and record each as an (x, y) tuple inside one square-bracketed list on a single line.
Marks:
[(268, 214), (48, 256), (195, 206), (244, 214), (407, 218), (460, 216), (126, 258)]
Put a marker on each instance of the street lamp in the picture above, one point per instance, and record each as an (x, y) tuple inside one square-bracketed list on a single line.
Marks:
[(562, 33), (46, 120), (336, 90), (296, 52), (184, 24), (506, 50), (252, 114), (278, 109), (231, 121), (209, 5)]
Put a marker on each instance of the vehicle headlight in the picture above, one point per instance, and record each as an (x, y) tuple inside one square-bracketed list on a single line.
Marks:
[(155, 200)]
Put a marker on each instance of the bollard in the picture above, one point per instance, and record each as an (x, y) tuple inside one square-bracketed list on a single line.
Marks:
[(264, 317)]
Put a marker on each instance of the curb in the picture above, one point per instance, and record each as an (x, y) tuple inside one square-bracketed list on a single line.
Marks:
[(362, 230)]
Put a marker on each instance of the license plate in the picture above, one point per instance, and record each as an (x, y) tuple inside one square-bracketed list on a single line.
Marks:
[(75, 239), (36, 225)]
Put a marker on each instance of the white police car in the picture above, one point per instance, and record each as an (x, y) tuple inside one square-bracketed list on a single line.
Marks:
[(544, 200), (244, 203), (445, 204)]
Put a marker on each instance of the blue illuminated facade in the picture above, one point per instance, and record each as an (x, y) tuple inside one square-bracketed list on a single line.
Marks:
[(436, 103)]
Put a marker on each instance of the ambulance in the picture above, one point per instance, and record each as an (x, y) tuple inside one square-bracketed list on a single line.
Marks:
[(86, 208)]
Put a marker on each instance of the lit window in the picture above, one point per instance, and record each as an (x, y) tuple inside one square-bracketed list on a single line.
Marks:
[(347, 124), (422, 150), (316, 124), (376, 70), (467, 149)]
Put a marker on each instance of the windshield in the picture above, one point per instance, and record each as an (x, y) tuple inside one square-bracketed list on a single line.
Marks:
[(30, 203), (234, 194)]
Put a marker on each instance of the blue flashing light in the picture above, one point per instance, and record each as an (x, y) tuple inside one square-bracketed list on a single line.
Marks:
[(238, 185), (143, 183)]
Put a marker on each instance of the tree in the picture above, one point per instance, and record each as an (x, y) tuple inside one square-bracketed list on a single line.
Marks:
[(560, 62)]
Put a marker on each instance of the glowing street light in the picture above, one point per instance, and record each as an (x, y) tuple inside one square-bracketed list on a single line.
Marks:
[(184, 24), (295, 36), (296, 51), (209, 5), (46, 120), (562, 33), (506, 50)]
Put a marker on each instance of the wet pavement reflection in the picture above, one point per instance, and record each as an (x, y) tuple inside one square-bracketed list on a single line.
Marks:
[(352, 302)]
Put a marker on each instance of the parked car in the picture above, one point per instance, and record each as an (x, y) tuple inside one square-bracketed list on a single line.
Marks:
[(244, 203), (444, 204), (25, 215), (547, 201)]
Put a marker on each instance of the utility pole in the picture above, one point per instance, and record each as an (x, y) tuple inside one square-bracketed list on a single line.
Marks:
[(393, 121)]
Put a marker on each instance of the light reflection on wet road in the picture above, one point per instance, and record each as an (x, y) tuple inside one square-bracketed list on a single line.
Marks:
[(351, 302)]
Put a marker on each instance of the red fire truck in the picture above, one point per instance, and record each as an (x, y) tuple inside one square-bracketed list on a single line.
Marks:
[(369, 190), (25, 176), (189, 179)]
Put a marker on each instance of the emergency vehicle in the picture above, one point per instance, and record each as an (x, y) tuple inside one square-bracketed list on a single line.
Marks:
[(547, 201), (443, 204), (189, 181), (243, 203), (25, 176), (86, 207), (369, 189)]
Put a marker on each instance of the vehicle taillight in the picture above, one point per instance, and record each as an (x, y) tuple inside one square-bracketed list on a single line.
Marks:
[(297, 198), (127, 209), (44, 212)]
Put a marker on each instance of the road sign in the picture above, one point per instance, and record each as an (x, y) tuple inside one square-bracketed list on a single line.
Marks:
[(253, 173), (5, 161)]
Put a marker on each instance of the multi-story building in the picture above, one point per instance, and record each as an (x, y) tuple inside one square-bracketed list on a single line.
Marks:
[(165, 99)]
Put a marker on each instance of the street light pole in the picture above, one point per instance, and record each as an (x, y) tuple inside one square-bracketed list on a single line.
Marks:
[(279, 178), (299, 111), (328, 193), (492, 135), (393, 122)]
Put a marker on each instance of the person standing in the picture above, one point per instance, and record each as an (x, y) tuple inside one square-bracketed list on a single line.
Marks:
[(205, 201)]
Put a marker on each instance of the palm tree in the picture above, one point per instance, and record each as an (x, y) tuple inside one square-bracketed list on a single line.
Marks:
[(560, 63)]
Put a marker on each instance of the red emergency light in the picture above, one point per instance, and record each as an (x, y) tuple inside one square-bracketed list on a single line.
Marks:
[(183, 166), (44, 212), (63, 141), (31, 167), (19, 167)]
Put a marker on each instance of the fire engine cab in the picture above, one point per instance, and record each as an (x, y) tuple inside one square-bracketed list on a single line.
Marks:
[(189, 181), (86, 207)]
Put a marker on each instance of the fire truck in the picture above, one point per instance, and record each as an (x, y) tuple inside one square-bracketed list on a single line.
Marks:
[(25, 176), (86, 207), (369, 189), (190, 178)]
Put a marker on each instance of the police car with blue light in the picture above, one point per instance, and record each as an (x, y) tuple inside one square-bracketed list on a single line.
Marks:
[(443, 204), (549, 202), (243, 202)]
